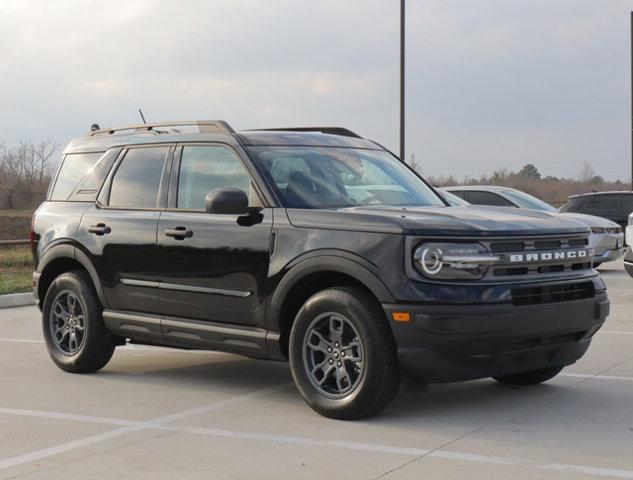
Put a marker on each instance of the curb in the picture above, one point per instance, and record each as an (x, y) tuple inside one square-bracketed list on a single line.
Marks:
[(16, 300)]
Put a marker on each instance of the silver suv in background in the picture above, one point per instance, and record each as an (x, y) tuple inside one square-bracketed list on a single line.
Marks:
[(607, 237)]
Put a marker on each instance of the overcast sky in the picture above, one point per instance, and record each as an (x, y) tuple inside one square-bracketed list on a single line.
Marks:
[(490, 83)]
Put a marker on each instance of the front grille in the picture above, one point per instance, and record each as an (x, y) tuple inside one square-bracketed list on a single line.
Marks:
[(552, 293), (547, 249), (537, 245)]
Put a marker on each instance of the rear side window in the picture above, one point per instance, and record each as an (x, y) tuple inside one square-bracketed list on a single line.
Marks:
[(604, 203), (477, 197), (627, 203), (74, 168), (460, 193), (137, 179)]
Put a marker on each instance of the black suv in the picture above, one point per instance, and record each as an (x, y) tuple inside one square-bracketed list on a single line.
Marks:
[(311, 245), (615, 206)]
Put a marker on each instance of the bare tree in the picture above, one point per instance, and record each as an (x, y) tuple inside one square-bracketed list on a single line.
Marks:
[(25, 173), (587, 172), (415, 165)]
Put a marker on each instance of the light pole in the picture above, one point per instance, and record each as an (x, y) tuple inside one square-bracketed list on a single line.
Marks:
[(402, 28)]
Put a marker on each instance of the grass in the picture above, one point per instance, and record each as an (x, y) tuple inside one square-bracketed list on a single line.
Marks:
[(16, 269), (15, 224)]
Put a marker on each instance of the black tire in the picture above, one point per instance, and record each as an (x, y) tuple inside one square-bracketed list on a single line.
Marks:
[(532, 377), (95, 348), (378, 379), (596, 264)]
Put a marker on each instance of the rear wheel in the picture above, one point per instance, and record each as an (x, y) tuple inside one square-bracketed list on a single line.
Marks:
[(532, 377), (342, 355), (75, 335)]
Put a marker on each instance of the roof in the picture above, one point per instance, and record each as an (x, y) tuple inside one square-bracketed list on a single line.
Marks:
[(101, 139), (612, 192), (491, 188)]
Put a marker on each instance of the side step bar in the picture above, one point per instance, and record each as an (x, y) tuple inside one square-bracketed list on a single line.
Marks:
[(179, 332)]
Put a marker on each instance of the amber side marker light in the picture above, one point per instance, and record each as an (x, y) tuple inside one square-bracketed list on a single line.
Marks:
[(401, 316)]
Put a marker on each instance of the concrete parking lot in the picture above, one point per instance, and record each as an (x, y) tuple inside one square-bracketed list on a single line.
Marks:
[(156, 413)]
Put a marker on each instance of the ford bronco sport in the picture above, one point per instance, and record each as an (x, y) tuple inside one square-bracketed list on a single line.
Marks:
[(311, 245)]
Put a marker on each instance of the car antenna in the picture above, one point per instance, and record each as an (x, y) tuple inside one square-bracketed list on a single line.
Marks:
[(140, 112)]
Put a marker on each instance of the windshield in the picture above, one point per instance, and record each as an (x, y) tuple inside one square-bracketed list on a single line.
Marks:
[(327, 177), (524, 200)]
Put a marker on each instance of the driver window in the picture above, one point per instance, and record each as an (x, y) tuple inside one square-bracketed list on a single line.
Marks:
[(203, 168)]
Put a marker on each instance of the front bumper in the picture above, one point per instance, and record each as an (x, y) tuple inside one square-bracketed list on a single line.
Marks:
[(448, 343), (609, 255), (607, 246)]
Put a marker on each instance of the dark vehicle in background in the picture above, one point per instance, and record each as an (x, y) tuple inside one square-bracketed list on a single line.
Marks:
[(607, 237), (452, 199), (615, 206), (310, 245)]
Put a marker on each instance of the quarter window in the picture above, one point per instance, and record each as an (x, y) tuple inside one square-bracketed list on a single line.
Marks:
[(74, 168), (477, 197), (137, 179), (204, 168)]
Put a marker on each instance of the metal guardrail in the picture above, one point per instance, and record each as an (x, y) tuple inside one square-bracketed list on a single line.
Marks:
[(15, 242)]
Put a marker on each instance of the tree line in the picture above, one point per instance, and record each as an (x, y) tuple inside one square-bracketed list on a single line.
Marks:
[(553, 190), (25, 172)]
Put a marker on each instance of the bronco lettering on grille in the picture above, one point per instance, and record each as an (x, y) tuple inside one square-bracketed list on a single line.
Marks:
[(547, 256)]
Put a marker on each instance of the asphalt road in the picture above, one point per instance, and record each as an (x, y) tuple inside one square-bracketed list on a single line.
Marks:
[(155, 413)]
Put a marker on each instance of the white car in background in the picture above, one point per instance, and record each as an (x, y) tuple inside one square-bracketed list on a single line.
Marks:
[(607, 237), (628, 258)]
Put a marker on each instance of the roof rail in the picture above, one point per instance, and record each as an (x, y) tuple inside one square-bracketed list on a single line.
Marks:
[(329, 130), (211, 126)]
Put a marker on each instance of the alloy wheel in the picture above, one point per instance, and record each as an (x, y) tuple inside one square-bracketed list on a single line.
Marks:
[(67, 322), (334, 356)]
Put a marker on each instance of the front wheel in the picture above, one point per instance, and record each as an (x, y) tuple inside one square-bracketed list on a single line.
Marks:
[(532, 377), (76, 338), (342, 354)]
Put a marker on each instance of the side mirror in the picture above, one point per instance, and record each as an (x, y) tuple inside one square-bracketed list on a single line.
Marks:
[(226, 201)]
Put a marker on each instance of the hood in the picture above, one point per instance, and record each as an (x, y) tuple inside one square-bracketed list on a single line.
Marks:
[(589, 220), (470, 221)]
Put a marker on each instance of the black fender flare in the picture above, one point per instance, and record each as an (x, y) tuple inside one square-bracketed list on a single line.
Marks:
[(340, 262), (66, 250)]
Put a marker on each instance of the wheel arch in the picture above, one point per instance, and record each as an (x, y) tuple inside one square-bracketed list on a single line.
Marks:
[(64, 258), (314, 274)]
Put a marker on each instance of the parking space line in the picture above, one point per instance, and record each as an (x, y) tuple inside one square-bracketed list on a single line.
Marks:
[(615, 332), (599, 377), (130, 347), (159, 424), (20, 340), (65, 447), (132, 427), (67, 416)]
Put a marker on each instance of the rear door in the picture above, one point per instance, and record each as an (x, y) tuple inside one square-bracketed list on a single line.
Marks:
[(217, 269), (118, 232), (626, 208)]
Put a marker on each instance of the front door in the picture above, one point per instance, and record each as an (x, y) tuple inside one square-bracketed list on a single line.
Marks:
[(212, 267)]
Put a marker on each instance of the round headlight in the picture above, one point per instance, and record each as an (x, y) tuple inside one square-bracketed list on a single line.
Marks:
[(431, 260)]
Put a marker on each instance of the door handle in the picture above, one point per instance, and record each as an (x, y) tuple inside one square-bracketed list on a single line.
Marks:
[(99, 229), (179, 233)]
